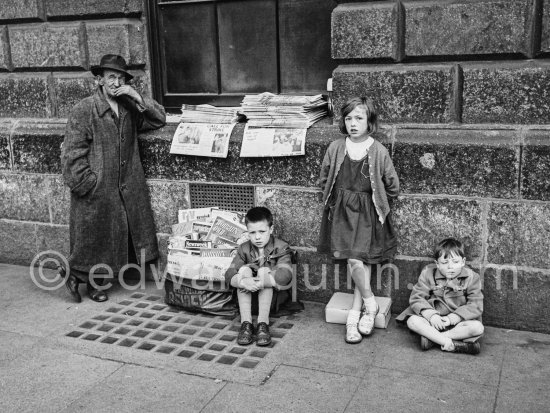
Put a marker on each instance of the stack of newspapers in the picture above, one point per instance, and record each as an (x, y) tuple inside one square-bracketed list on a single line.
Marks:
[(208, 114), (203, 243), (266, 110)]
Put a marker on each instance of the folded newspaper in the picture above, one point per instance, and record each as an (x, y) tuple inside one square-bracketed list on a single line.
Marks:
[(208, 114), (268, 142), (202, 139)]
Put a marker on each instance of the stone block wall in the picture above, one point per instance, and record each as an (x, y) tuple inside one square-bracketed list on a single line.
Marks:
[(462, 93), (48, 46)]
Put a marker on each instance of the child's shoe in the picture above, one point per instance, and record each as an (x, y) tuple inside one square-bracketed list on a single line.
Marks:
[(352, 334), (466, 347), (246, 334), (366, 322), (425, 343), (263, 338)]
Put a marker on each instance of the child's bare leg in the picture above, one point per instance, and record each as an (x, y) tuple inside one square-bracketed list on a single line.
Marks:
[(360, 274), (357, 299), (265, 295), (245, 305), (464, 330), (263, 336), (423, 327)]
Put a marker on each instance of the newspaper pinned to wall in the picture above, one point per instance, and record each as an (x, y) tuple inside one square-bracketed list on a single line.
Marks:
[(268, 142), (202, 139)]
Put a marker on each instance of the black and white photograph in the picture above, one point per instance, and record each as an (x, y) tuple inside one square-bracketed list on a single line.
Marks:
[(275, 206)]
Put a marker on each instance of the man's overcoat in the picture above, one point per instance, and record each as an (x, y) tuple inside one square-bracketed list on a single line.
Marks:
[(109, 195)]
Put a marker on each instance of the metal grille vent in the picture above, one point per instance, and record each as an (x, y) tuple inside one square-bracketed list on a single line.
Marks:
[(144, 322), (229, 197)]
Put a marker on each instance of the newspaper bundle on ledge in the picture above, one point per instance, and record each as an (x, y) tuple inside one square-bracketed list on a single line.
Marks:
[(208, 114), (203, 243), (202, 139), (267, 110), (268, 142)]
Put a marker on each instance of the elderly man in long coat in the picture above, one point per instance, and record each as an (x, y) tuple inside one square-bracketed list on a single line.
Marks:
[(110, 216)]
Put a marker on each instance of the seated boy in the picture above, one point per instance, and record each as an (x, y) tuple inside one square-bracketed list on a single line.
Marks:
[(262, 264), (446, 303)]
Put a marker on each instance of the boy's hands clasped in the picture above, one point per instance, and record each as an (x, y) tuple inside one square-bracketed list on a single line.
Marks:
[(441, 323), (250, 284)]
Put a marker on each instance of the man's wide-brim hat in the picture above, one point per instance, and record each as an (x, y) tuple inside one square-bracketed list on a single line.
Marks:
[(113, 62)]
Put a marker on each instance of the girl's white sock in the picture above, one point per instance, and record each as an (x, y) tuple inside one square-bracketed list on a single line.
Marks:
[(370, 304), (353, 317)]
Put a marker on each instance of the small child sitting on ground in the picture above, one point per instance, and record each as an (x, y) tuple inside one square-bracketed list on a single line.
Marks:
[(263, 265), (446, 303)]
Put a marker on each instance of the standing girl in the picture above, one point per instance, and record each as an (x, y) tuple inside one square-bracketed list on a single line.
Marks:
[(358, 180)]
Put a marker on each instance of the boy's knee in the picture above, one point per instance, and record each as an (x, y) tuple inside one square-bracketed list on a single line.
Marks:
[(414, 322), (476, 328)]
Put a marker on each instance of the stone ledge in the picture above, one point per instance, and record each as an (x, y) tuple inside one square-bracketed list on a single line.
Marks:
[(467, 28), (295, 171), (364, 31)]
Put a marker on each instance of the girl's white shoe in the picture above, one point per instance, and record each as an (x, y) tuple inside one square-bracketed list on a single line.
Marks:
[(352, 334), (366, 322)]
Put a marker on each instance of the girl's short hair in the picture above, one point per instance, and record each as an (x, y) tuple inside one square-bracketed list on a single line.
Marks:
[(367, 103), (449, 247)]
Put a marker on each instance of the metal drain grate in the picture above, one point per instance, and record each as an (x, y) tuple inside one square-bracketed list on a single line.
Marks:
[(230, 197), (144, 323)]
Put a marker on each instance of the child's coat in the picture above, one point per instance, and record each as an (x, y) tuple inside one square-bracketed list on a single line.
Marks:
[(433, 294)]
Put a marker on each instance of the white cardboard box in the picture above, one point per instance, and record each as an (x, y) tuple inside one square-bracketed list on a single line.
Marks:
[(337, 309)]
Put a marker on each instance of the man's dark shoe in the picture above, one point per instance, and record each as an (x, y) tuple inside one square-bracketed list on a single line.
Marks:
[(71, 284), (466, 347), (246, 334), (263, 338), (425, 343), (98, 296)]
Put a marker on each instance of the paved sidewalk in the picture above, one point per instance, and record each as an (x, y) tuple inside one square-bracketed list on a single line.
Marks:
[(134, 353)]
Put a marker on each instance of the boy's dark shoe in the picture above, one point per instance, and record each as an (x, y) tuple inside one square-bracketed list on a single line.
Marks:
[(246, 334), (263, 338), (466, 347), (98, 296), (425, 343), (71, 284)]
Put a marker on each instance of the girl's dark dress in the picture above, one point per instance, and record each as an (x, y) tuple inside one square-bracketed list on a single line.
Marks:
[(350, 227)]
